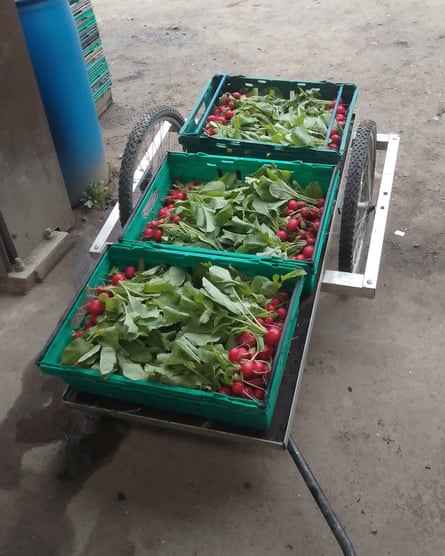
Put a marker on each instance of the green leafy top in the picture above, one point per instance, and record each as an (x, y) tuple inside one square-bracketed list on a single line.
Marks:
[(174, 326), (241, 215)]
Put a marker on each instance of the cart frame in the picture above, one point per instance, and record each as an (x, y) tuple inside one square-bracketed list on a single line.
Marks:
[(279, 434)]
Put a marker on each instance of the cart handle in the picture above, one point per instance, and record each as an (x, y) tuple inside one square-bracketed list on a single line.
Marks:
[(320, 498)]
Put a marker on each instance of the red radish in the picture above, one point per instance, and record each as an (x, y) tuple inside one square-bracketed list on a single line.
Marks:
[(228, 114), (95, 307), (341, 109), (163, 212), (292, 204), (236, 95), (102, 289), (258, 393), (275, 301), (305, 212), (176, 219), (235, 355), (259, 367), (247, 392), (308, 251), (265, 355), (246, 368), (237, 387), (224, 390), (157, 235), (130, 272), (117, 278), (246, 339), (299, 257), (282, 235), (212, 118), (335, 138), (292, 225), (320, 202), (281, 313), (268, 321), (78, 333), (148, 233), (315, 225), (284, 296), (272, 336), (210, 131), (105, 292), (270, 307)]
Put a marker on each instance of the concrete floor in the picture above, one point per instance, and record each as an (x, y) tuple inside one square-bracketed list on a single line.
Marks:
[(370, 418)]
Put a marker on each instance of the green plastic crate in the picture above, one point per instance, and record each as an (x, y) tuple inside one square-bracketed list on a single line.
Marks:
[(193, 139), (237, 411), (199, 166)]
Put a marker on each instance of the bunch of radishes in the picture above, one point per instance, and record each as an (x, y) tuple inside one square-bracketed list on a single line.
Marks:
[(96, 306), (303, 224), (223, 113), (252, 369), (340, 122), (152, 230)]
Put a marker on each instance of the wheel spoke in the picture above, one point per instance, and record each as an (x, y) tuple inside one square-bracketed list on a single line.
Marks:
[(153, 136), (150, 153)]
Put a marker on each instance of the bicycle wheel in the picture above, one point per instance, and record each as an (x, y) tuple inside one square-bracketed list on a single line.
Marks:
[(358, 202), (155, 134)]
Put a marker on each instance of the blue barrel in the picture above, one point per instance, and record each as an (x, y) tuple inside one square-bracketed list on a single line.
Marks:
[(56, 55)]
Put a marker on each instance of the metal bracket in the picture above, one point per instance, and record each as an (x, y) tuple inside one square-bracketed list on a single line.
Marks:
[(365, 285)]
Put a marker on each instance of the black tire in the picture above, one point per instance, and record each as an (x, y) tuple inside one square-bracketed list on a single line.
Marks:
[(358, 202), (139, 140)]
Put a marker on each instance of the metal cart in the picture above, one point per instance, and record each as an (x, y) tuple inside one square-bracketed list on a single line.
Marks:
[(360, 253)]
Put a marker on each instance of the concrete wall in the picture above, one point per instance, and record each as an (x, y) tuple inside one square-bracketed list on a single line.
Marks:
[(32, 192)]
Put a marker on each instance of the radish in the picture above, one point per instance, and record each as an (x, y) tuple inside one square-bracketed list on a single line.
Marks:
[(246, 339), (246, 369), (272, 336), (130, 272), (237, 353), (224, 390), (308, 251), (237, 387), (247, 392), (118, 277), (292, 224), (258, 393), (281, 313), (157, 235)]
